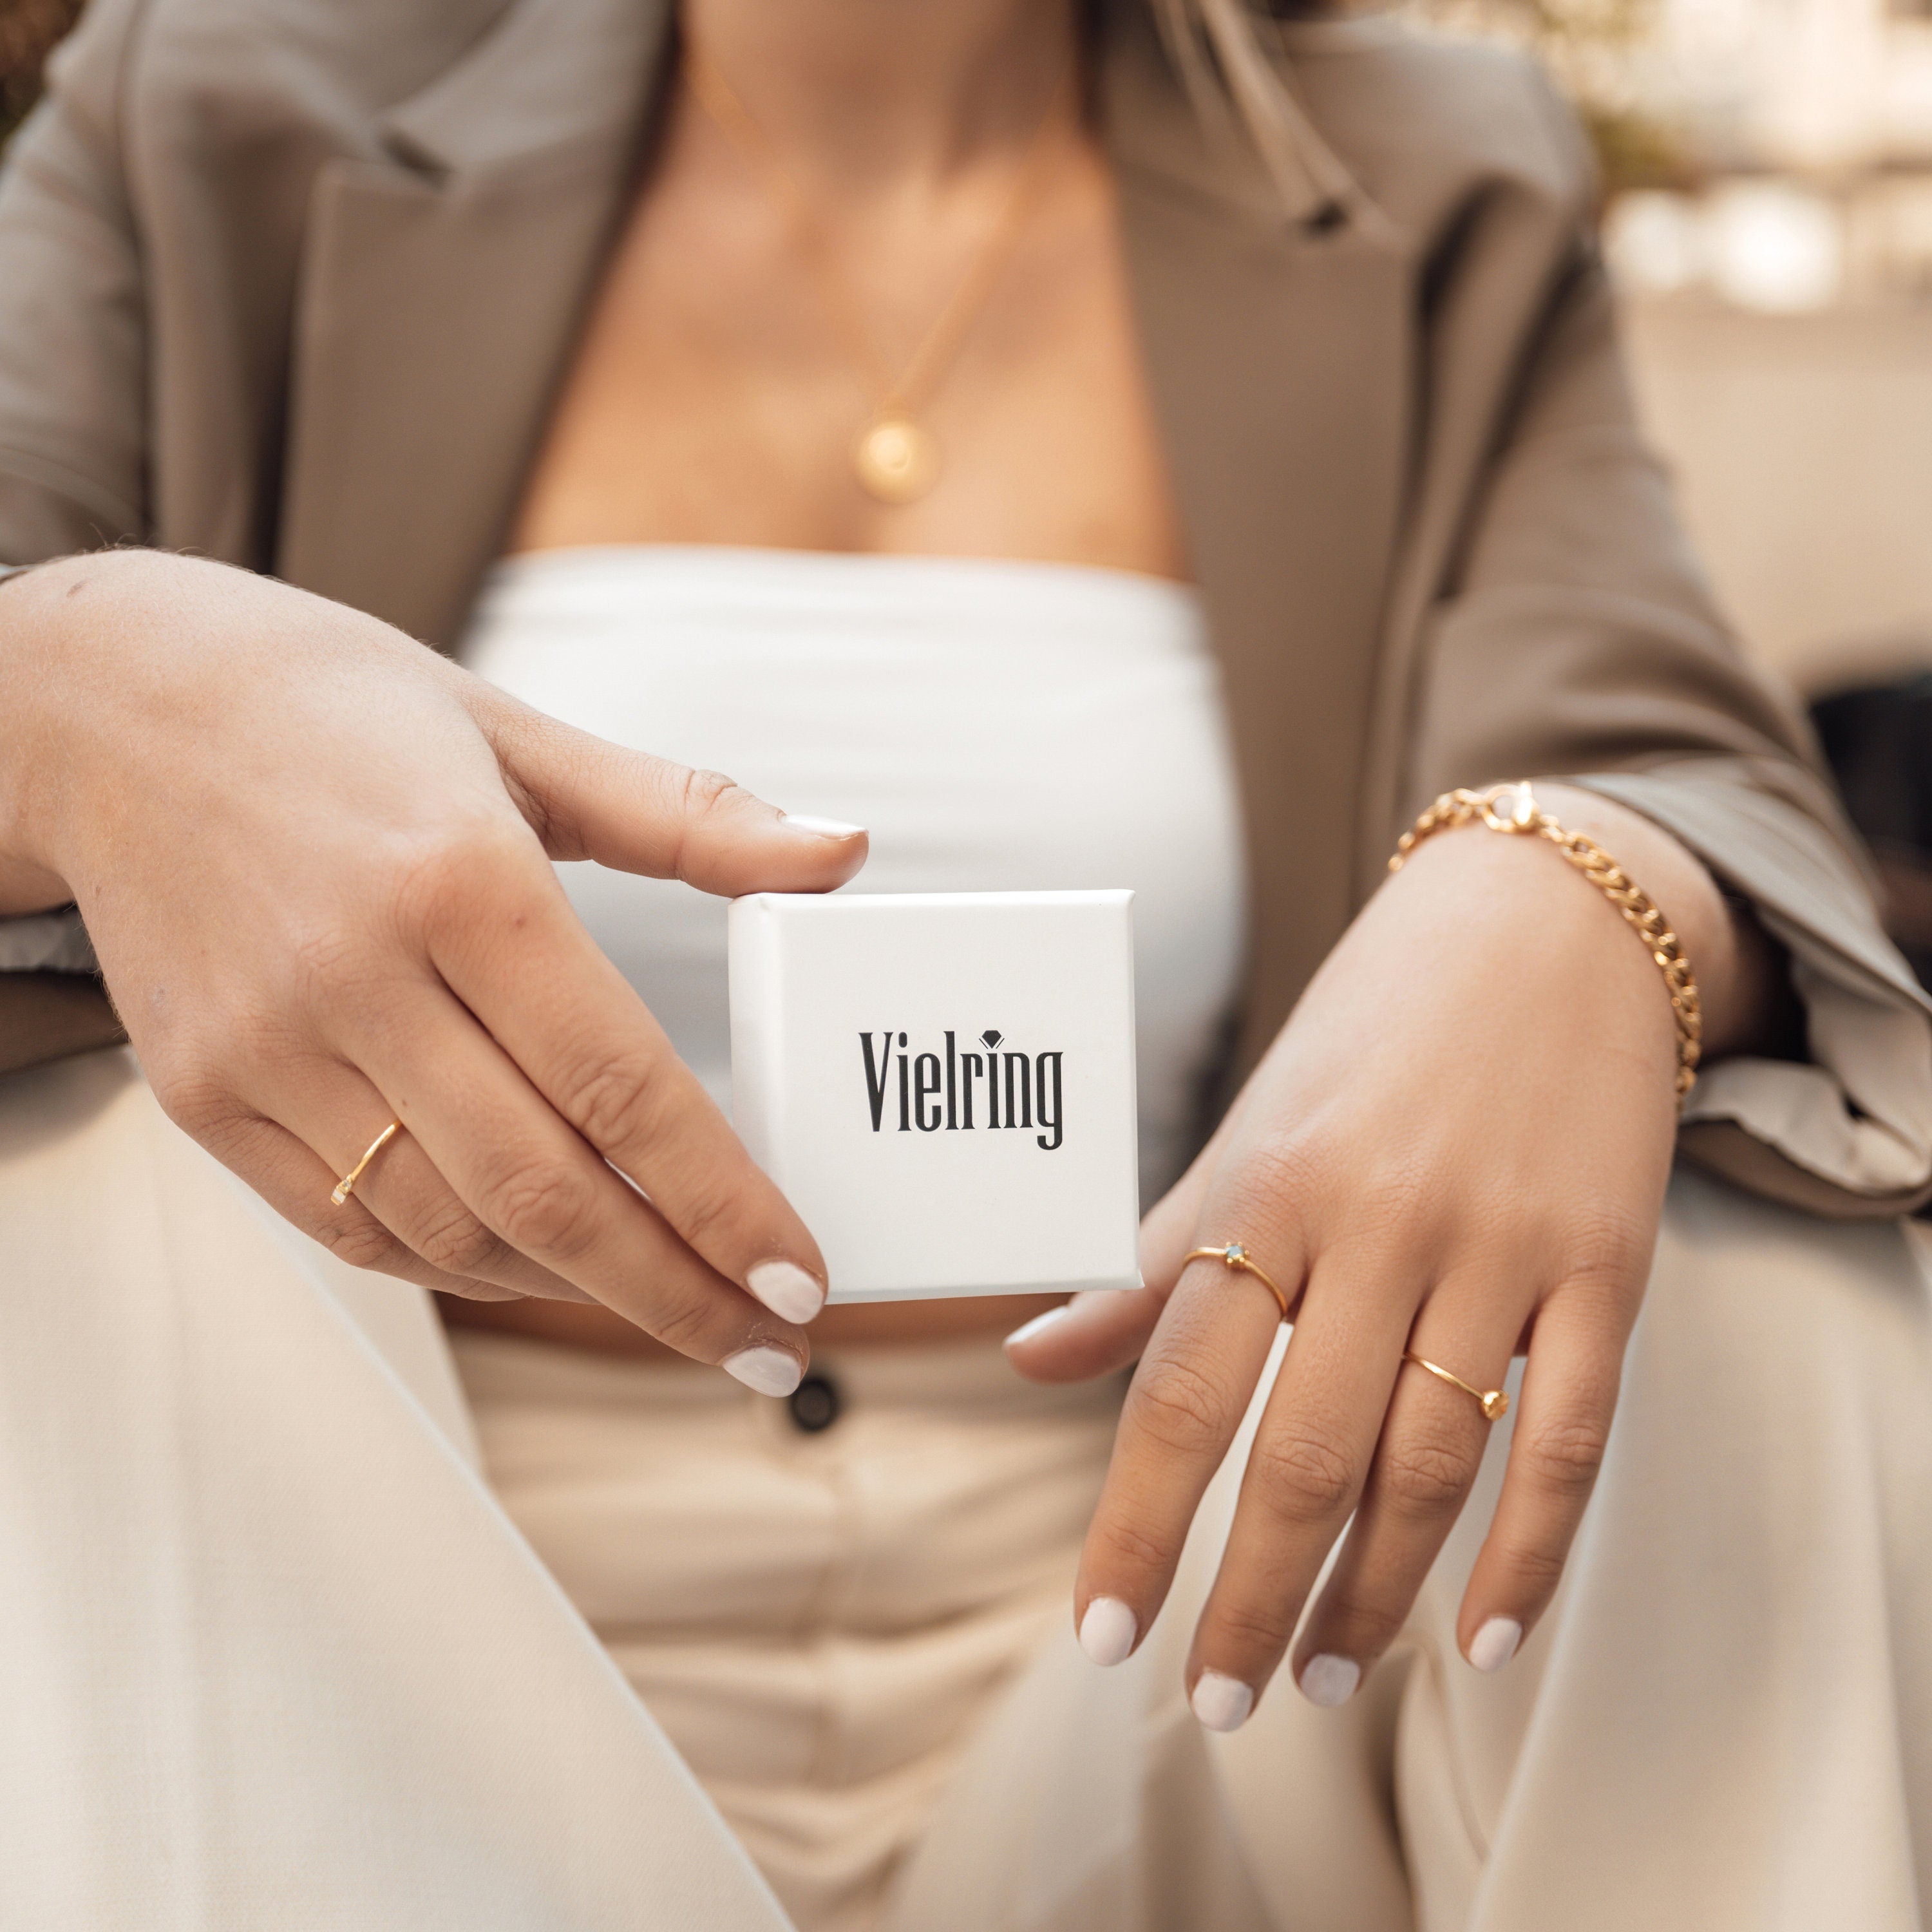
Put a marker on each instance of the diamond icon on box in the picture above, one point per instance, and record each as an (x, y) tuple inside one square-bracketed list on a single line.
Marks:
[(991, 1039)]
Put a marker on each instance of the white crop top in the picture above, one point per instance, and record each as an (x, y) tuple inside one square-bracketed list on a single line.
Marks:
[(995, 726)]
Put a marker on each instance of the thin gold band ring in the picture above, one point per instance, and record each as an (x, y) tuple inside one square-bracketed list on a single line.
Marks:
[(1235, 1256), (1495, 1403), (345, 1185)]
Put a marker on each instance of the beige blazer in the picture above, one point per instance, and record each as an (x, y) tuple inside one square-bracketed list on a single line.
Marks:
[(291, 283)]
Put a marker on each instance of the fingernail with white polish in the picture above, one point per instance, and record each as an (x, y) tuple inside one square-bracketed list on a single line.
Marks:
[(1027, 1331), (770, 1371), (1108, 1630), (1328, 1680), (1221, 1703), (826, 828), (1495, 1644), (786, 1289)]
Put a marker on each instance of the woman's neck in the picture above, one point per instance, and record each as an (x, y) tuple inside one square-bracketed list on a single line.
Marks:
[(862, 95)]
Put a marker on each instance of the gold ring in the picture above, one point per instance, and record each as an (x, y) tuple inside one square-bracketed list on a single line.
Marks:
[(1495, 1403), (345, 1185), (1235, 1256)]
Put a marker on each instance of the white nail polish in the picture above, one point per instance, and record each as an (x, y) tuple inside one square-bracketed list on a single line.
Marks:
[(1222, 1703), (1328, 1680), (1039, 1325), (826, 828), (770, 1371), (786, 1289), (1108, 1630), (1495, 1644)]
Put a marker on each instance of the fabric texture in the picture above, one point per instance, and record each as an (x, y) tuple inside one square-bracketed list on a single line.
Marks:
[(292, 287), (271, 1654), (819, 1622)]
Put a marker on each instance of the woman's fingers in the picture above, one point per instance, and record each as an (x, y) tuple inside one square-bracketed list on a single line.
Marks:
[(296, 1182), (589, 799), (1101, 1330), (532, 1180), (1185, 1401), (1095, 1333), (339, 1113), (1569, 1396), (576, 1029), (1311, 1456), (1425, 1463)]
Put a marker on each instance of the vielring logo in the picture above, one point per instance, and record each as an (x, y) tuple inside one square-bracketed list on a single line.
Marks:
[(938, 1092)]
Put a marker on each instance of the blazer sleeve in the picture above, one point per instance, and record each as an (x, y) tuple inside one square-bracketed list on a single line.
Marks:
[(73, 429), (1579, 640), (73, 391)]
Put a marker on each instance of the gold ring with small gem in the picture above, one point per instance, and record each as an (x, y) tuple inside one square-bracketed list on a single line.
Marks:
[(1236, 1257), (345, 1185)]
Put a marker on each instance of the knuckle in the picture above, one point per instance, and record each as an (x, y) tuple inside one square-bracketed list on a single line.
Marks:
[(702, 792), (1424, 1475), (1369, 1627), (1565, 1455), (614, 1104), (1125, 1550), (701, 1212), (687, 1323), (1249, 1627), (1179, 1406), (1536, 1568), (362, 1242), (544, 1208), (441, 877), (200, 1102), (1302, 1474), (454, 1240), (701, 797), (1610, 1250)]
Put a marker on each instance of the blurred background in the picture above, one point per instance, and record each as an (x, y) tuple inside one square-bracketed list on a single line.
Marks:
[(1767, 170)]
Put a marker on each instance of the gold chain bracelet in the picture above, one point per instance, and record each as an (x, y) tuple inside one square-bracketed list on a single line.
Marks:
[(1513, 809)]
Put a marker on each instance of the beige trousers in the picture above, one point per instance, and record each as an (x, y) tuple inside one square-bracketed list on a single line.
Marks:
[(821, 1621), (272, 1653)]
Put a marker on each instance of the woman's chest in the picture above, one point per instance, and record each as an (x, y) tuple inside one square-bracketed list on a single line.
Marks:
[(732, 358)]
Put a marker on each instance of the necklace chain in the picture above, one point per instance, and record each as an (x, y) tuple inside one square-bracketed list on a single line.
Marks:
[(896, 457)]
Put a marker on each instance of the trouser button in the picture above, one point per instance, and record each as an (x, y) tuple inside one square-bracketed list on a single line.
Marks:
[(814, 1404)]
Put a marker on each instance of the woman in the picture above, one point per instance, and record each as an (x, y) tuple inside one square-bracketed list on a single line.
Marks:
[(1023, 322)]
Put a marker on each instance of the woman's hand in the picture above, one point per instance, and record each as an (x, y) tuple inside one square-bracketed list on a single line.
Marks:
[(314, 859), (1459, 1145)]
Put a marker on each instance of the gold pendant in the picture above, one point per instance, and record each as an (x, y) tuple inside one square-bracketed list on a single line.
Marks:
[(897, 459)]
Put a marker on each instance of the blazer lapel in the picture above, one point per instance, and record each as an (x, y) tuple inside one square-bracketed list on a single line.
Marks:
[(442, 281), (1279, 352)]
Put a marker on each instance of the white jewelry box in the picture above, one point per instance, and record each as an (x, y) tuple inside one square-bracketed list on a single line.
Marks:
[(942, 1084)]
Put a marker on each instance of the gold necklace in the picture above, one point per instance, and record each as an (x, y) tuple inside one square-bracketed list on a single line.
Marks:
[(895, 455)]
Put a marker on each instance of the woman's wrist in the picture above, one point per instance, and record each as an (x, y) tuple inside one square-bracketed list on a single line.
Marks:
[(1736, 965), (1739, 967), (71, 631)]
